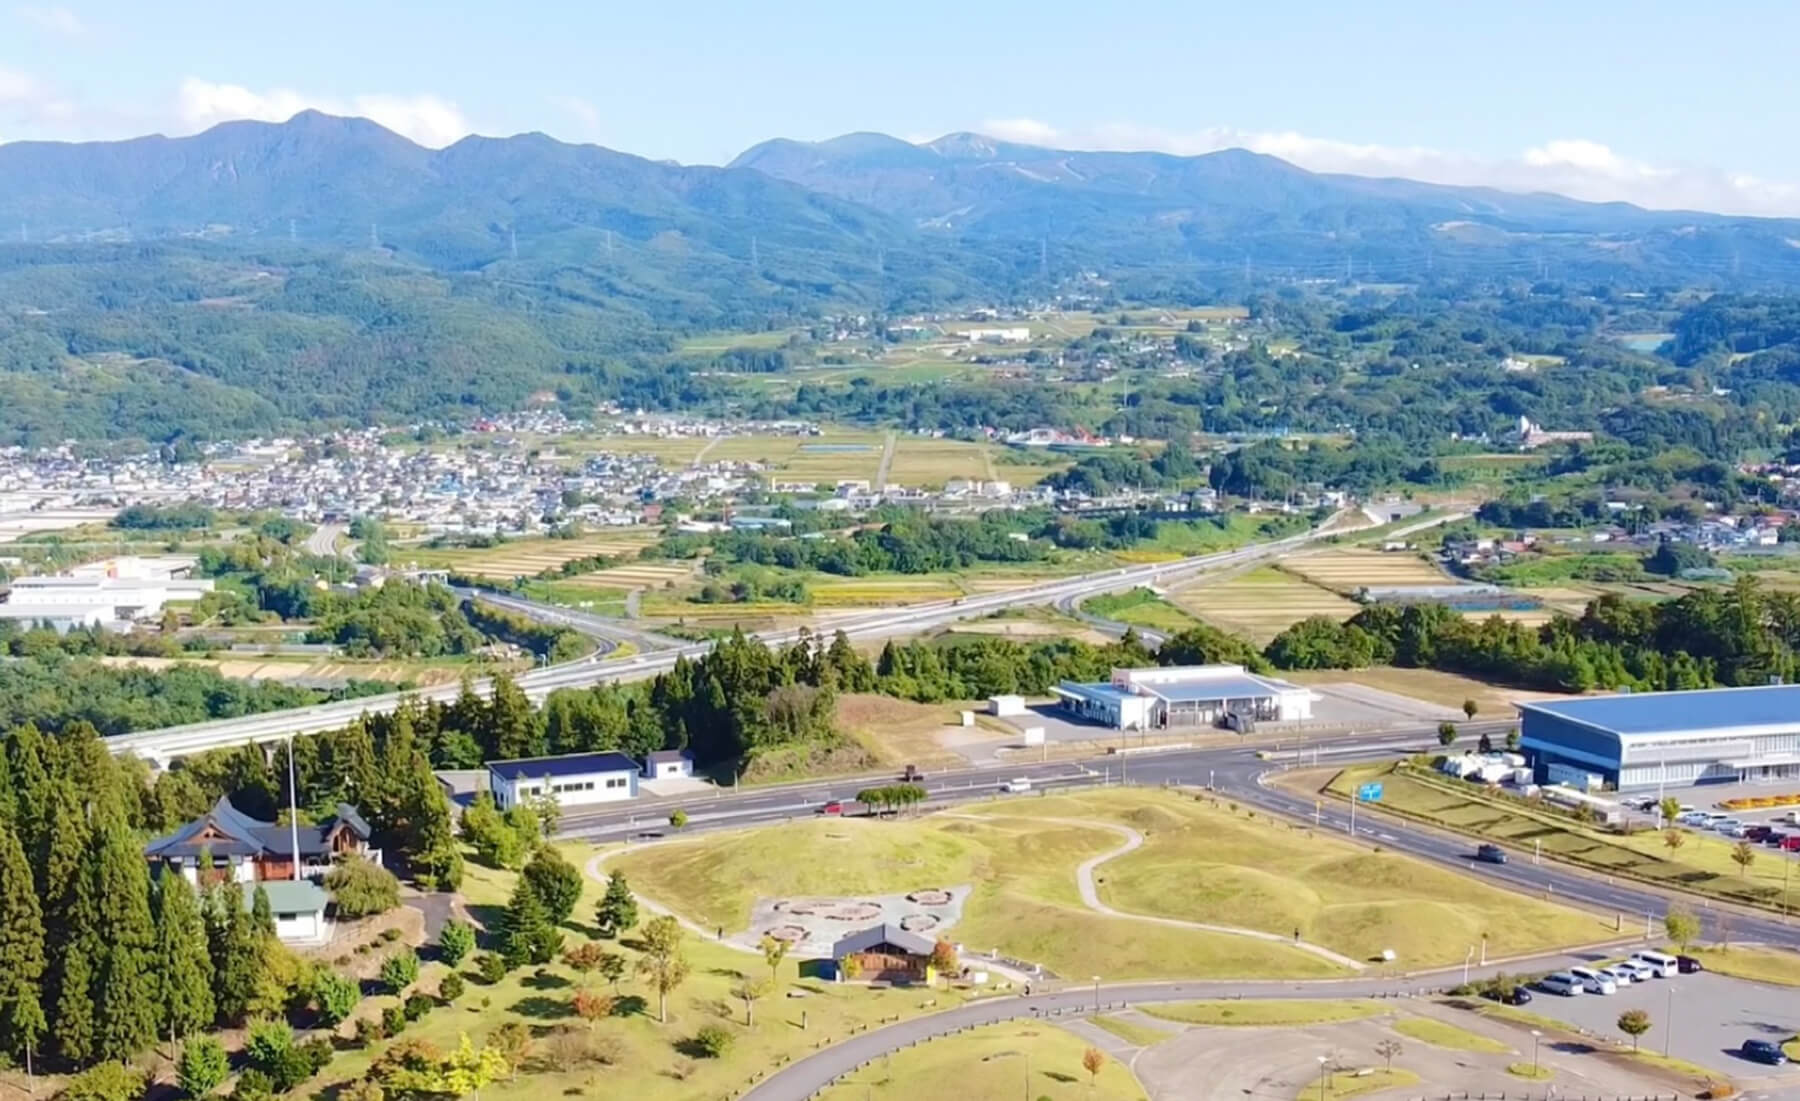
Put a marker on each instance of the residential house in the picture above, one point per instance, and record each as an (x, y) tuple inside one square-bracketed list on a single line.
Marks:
[(242, 849)]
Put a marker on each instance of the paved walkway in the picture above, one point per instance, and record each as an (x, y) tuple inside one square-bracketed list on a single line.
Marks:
[(887, 461)]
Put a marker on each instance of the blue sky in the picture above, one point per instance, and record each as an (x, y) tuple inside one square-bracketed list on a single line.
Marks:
[(1659, 102)]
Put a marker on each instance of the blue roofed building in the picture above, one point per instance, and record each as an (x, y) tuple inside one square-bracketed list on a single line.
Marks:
[(574, 779), (1172, 696), (1665, 739)]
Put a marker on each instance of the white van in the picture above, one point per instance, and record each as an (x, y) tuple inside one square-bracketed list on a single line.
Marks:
[(1593, 982), (1560, 982), (1661, 964), (1016, 784)]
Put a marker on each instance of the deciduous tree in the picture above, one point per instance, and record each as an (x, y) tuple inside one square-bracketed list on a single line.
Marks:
[(664, 964)]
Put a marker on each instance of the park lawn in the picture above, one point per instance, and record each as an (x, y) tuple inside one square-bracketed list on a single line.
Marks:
[(993, 1061), (1025, 901), (1438, 1033), (1266, 1012), (1770, 965), (1701, 865), (1138, 1035), (1209, 863), (646, 1061), (1347, 1083)]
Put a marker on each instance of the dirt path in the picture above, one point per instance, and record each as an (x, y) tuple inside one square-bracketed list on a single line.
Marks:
[(596, 872), (887, 460), (1090, 895), (710, 444)]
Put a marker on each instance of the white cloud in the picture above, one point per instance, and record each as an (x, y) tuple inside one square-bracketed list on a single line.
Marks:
[(52, 18), (426, 119), (1577, 167)]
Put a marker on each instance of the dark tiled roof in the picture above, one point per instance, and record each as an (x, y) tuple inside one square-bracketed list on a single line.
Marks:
[(864, 939), (241, 835), (573, 764), (666, 756)]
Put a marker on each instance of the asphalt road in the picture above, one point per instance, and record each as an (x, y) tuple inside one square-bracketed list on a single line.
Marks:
[(323, 542)]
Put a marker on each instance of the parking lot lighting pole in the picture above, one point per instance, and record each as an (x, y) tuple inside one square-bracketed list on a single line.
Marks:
[(1096, 993), (1322, 1062), (1535, 1036), (1669, 1021)]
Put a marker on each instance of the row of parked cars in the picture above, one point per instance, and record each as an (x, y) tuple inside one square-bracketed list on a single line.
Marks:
[(1642, 966), (1770, 833)]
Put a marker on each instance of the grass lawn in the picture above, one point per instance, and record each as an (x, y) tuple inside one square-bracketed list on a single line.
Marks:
[(1139, 1035), (1025, 901), (1269, 1012), (1142, 608), (1204, 862), (1438, 1033), (1701, 865), (1353, 1084), (995, 1061), (1444, 689), (1536, 1072), (1771, 965)]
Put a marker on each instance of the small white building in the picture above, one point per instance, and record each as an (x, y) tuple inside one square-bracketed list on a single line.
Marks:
[(59, 618), (298, 906), (669, 764), (1005, 706), (573, 780)]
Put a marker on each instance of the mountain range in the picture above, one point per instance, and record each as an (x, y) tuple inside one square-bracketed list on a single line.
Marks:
[(818, 219)]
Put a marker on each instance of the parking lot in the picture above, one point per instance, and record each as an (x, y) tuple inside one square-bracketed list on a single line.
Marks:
[(1701, 1018)]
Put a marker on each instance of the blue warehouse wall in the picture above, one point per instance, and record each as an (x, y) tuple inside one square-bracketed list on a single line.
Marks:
[(1548, 739)]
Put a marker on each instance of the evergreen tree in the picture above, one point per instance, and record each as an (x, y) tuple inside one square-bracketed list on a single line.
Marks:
[(125, 1002), (527, 935), (236, 956), (555, 881), (76, 949), (617, 911), (21, 950), (262, 915), (32, 796), (514, 726), (184, 971)]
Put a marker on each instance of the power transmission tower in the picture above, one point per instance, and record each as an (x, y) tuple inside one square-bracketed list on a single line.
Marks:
[(374, 238), (1044, 259), (609, 244), (1246, 268), (755, 260), (293, 230), (512, 236)]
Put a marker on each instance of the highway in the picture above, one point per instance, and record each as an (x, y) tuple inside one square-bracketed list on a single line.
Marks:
[(171, 742)]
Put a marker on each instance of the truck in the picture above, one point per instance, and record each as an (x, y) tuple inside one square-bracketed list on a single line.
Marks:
[(911, 774), (845, 808)]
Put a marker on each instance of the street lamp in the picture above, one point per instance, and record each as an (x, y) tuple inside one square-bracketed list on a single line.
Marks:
[(1096, 993), (1669, 1022), (1466, 958), (1322, 1061), (1535, 1036)]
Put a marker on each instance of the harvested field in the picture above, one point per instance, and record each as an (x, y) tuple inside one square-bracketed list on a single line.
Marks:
[(1261, 604), (276, 669), (881, 591), (646, 576), (526, 557), (1348, 570)]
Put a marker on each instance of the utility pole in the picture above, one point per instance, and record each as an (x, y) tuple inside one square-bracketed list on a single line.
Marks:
[(512, 236), (374, 238), (293, 230)]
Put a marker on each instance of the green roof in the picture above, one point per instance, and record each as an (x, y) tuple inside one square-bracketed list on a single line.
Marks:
[(288, 896)]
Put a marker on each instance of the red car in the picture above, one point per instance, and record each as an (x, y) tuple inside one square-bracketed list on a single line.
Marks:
[(1791, 843)]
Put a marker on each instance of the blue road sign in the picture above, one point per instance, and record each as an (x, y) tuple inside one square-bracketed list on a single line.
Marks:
[(1369, 793)]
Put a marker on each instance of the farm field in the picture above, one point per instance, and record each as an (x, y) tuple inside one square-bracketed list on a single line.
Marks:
[(994, 1061), (1702, 865), (1348, 570), (636, 575), (900, 732), (719, 343), (1142, 608), (1020, 857), (525, 557), (1260, 604), (1205, 863), (306, 669), (881, 590)]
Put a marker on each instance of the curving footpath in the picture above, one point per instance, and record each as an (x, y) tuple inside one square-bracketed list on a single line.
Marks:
[(801, 1080)]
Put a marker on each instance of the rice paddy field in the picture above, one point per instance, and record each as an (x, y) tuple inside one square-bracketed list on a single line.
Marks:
[(1346, 570), (646, 575), (320, 671), (1260, 604), (882, 590), (525, 557)]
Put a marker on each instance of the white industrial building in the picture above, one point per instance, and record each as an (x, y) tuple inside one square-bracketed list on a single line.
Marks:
[(1637, 741), (669, 764), (573, 780), (1185, 696), (113, 592)]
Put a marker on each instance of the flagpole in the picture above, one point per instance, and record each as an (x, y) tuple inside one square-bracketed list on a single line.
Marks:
[(293, 810)]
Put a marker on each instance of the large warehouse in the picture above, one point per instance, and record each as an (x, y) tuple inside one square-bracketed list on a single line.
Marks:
[(1651, 739), (1183, 696)]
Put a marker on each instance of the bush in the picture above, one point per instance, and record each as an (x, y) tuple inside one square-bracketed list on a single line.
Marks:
[(400, 971), (451, 987), (266, 1043), (712, 1041), (203, 1066), (455, 942), (106, 1082), (369, 1030), (390, 935), (361, 888), (417, 1006), (253, 1085), (336, 996), (393, 1020), (491, 967)]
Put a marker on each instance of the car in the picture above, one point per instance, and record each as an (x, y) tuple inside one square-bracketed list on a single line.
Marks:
[(1687, 965), (1694, 818), (1791, 843), (1763, 1051), (1774, 838), (1757, 833), (1016, 784), (1726, 825), (1735, 830), (1560, 982), (1594, 982), (1621, 974), (1638, 972), (1518, 995), (1491, 854), (1661, 965)]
